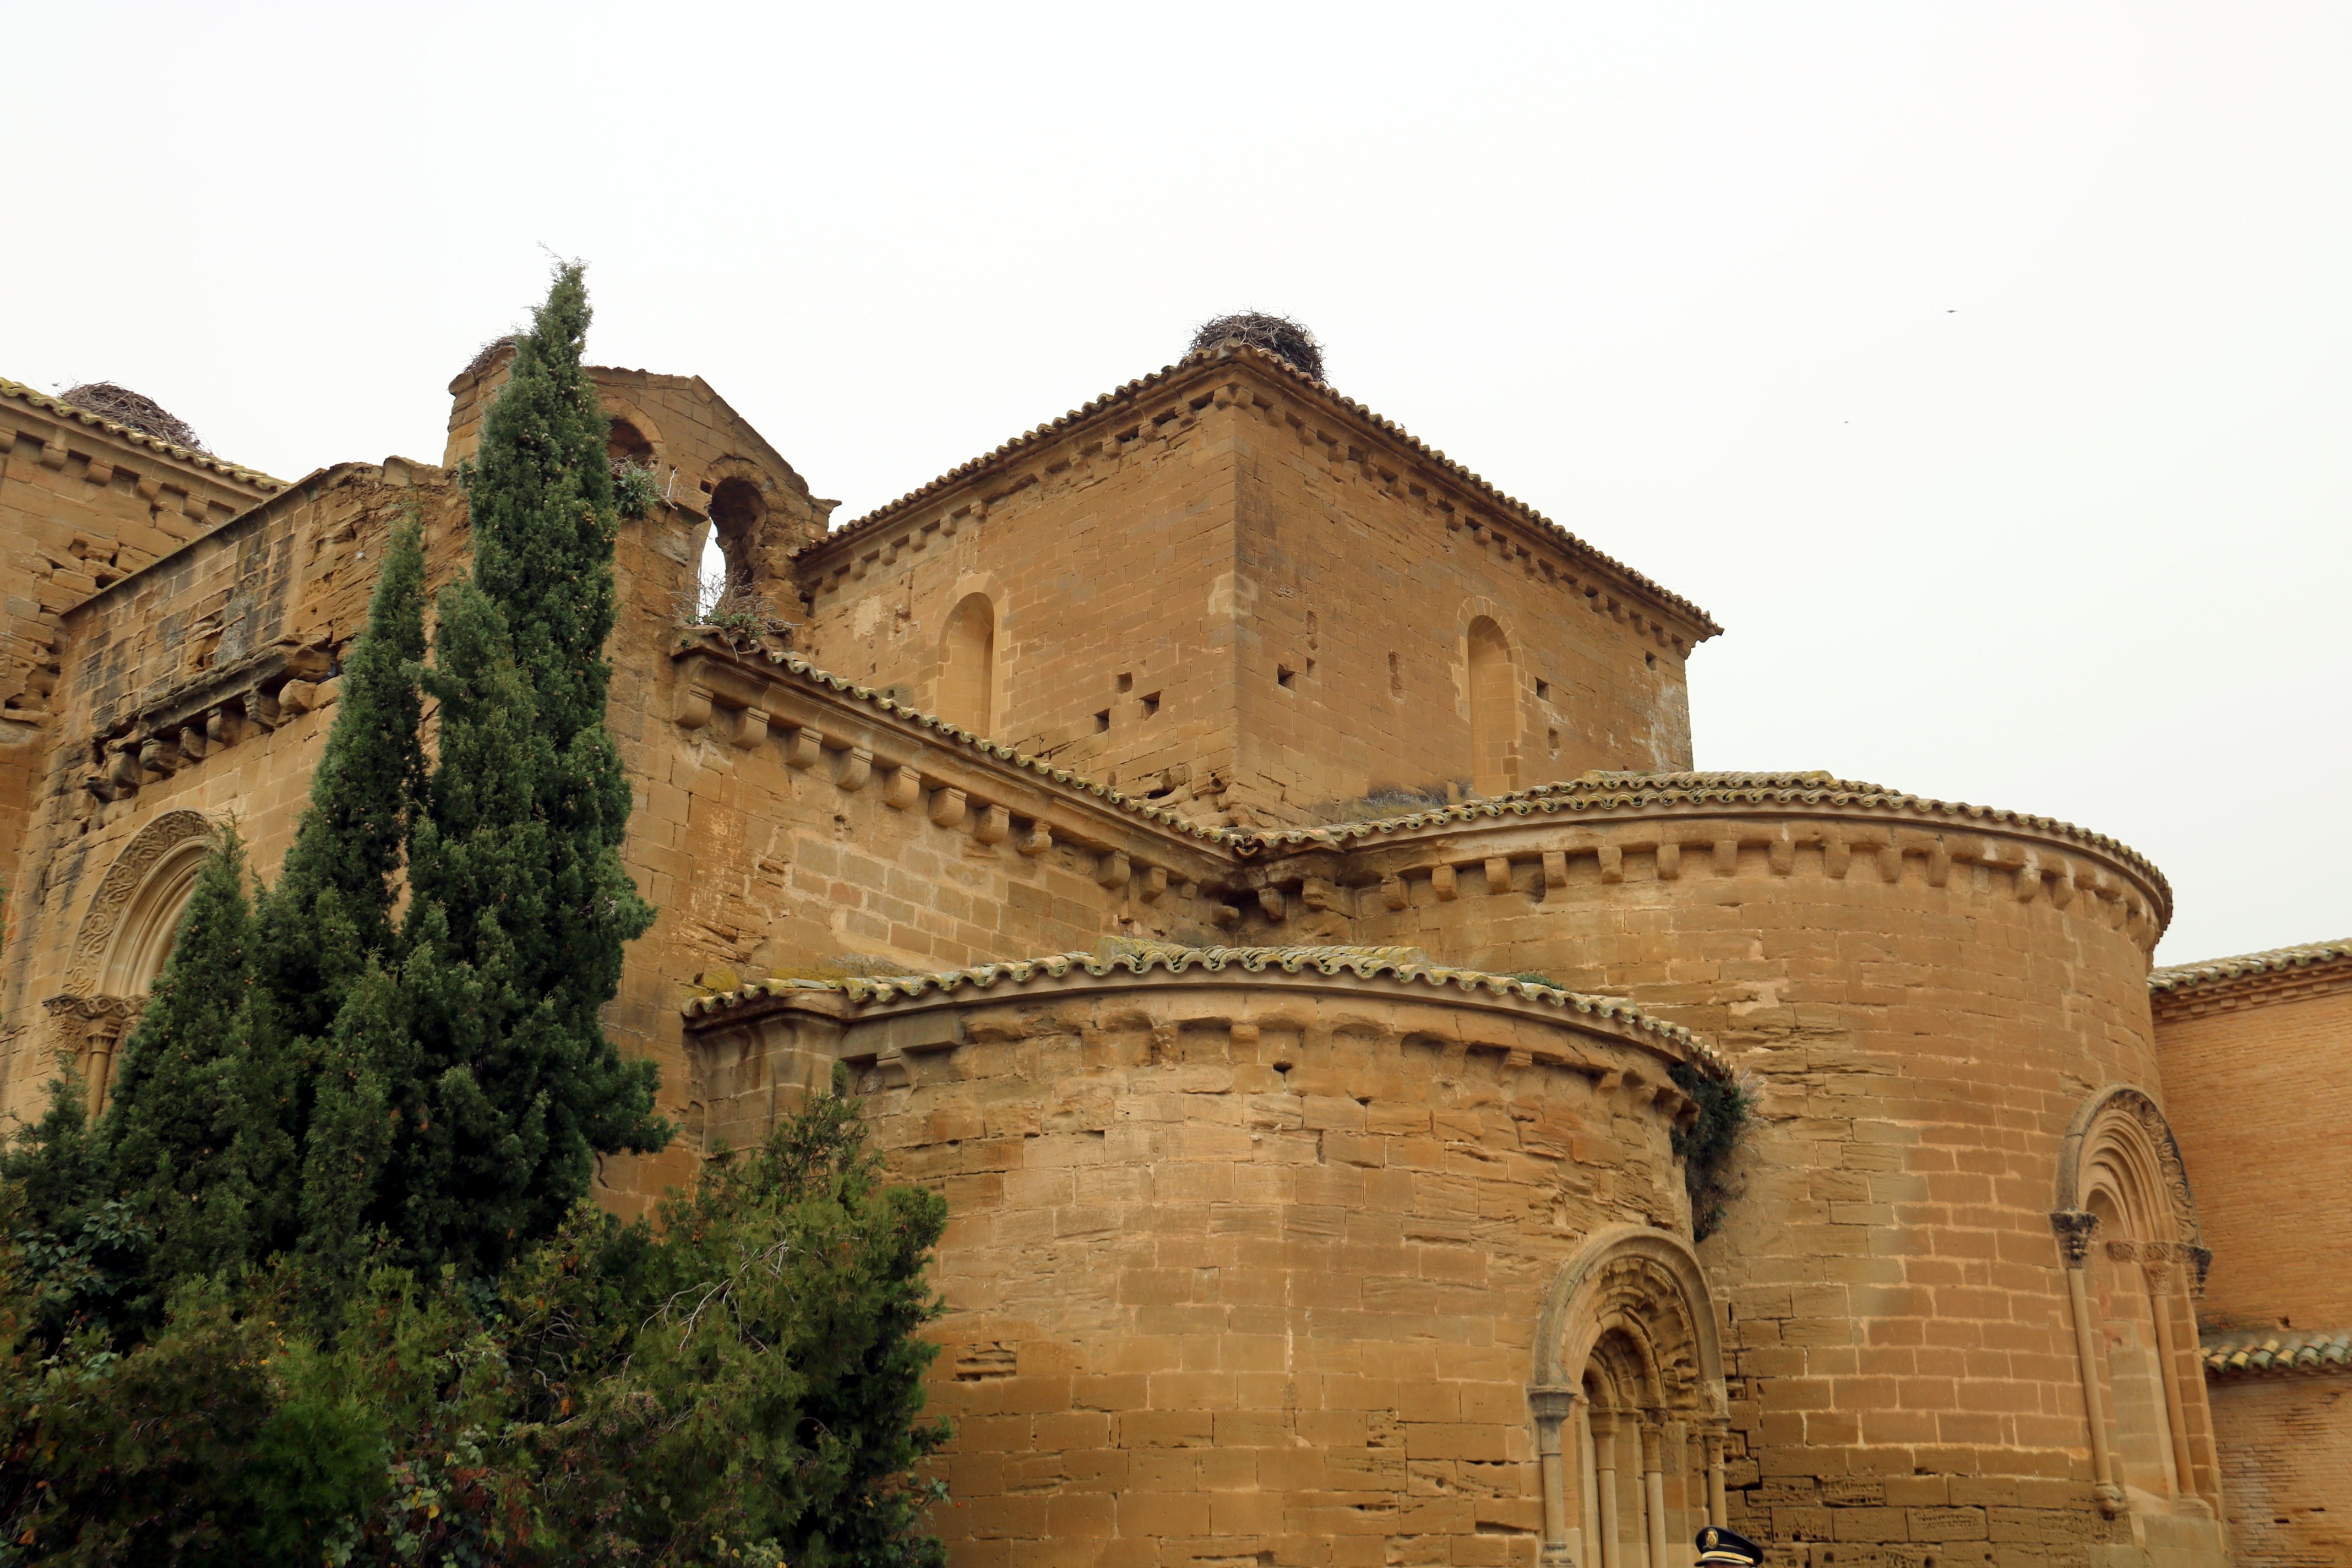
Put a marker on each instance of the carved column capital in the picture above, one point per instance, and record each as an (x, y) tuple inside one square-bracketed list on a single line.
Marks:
[(2074, 1228)]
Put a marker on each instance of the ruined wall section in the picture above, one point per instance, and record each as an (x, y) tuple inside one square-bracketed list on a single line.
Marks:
[(202, 683), (1929, 996), (84, 501)]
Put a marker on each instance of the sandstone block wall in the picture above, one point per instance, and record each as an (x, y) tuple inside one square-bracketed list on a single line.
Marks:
[(1232, 573), (1248, 1268)]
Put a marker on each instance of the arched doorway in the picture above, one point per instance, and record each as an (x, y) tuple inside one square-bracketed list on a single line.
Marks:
[(125, 937)]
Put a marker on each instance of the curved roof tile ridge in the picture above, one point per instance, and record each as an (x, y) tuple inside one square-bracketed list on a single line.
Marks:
[(1608, 791), (116, 429), (874, 519), (1403, 965), (2277, 960), (957, 736), (2277, 1351)]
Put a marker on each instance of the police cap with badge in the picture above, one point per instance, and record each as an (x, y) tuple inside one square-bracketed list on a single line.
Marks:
[(1727, 1549)]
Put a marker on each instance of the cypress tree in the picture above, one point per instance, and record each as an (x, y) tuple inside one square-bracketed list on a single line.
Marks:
[(519, 906), (169, 1136)]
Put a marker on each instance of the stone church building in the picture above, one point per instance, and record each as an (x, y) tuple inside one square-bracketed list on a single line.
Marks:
[(1163, 814)]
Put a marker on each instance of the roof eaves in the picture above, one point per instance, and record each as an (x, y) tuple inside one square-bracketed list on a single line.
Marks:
[(42, 401), (2287, 1352), (2175, 978), (1705, 624)]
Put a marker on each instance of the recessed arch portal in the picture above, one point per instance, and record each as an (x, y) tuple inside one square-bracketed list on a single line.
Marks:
[(966, 692), (1493, 693)]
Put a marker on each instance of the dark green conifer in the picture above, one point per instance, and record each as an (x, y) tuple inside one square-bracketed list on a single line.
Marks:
[(179, 1099), (519, 905)]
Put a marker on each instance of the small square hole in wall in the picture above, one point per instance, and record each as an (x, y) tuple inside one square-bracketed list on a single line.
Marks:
[(1543, 689), (1125, 681), (1102, 721), (1651, 660), (1283, 675), (1152, 704)]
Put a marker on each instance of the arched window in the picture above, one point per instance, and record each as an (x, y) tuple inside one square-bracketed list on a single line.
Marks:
[(625, 443), (2135, 1258), (1493, 710), (968, 666), (736, 510), (1629, 1403)]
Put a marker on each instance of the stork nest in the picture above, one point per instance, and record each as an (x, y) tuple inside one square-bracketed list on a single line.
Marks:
[(141, 412), (488, 353), (1279, 335)]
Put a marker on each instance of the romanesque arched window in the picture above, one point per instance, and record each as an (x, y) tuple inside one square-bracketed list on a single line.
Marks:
[(2135, 1259), (1629, 1403), (736, 510), (125, 936), (1494, 708), (968, 665)]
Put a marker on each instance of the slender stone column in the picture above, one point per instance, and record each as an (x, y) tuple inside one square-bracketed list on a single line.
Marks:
[(1587, 1465), (2074, 1228), (1553, 1406), (1604, 1468), (2158, 1274), (1653, 1487), (1712, 1442)]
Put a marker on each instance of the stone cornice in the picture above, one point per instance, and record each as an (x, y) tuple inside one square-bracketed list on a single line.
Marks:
[(213, 468), (1694, 824), (2251, 980), (1346, 971), (863, 740), (966, 493)]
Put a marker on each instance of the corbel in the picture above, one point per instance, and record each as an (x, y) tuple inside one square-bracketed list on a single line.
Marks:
[(1155, 883), (159, 756), (1555, 869), (1113, 870), (1612, 863), (1270, 904), (1038, 839), (1670, 860), (1939, 865), (1890, 862), (856, 767), (1726, 856), (224, 726), (1499, 874), (2029, 879), (750, 727), (53, 452), (192, 745), (100, 472), (124, 771), (947, 807), (1837, 854), (995, 825), (803, 747), (1445, 883), (2061, 886), (1780, 854), (1393, 892), (692, 711), (903, 788)]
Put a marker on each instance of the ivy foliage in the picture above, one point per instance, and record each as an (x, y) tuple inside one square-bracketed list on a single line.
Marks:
[(1705, 1148)]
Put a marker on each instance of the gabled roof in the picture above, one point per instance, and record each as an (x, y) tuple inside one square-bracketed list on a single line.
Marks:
[(254, 477), (1275, 368)]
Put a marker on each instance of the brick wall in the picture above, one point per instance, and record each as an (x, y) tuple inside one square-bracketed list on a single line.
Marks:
[(2286, 1469), (2261, 1093)]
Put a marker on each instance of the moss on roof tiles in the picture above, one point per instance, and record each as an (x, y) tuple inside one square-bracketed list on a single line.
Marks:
[(121, 431)]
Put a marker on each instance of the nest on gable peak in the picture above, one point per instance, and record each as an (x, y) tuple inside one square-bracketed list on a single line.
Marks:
[(487, 355), (136, 410), (1279, 335)]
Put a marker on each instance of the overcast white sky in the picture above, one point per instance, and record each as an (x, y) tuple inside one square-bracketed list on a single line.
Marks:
[(1982, 368)]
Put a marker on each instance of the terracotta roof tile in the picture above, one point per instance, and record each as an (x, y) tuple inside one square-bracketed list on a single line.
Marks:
[(1401, 965), (2277, 1351), (48, 404), (2175, 977), (874, 520)]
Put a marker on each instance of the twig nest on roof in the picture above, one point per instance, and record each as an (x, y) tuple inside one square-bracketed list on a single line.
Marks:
[(1277, 335), (139, 412)]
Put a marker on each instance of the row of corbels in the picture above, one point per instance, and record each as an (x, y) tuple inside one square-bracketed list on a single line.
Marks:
[(2034, 873), (101, 471), (140, 759), (903, 787)]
